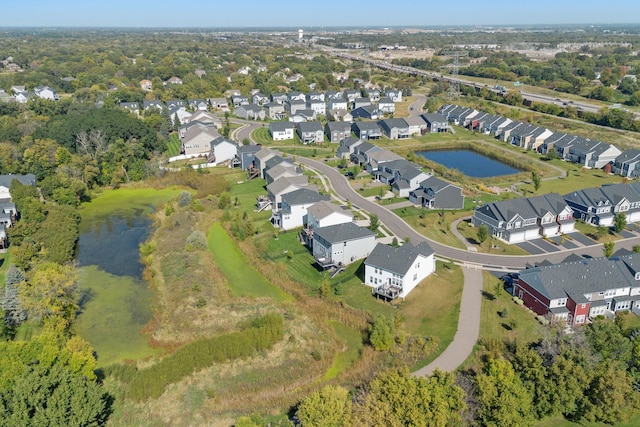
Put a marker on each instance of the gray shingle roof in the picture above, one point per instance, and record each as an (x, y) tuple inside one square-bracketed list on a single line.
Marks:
[(303, 196), (397, 260), (324, 208), (28, 179), (342, 232)]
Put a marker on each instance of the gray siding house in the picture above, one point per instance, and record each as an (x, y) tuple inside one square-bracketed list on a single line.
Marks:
[(341, 244)]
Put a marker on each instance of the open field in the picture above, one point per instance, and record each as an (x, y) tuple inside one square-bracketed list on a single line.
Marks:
[(125, 198), (353, 344), (242, 279)]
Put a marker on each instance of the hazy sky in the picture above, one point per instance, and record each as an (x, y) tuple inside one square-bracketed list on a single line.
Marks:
[(300, 13)]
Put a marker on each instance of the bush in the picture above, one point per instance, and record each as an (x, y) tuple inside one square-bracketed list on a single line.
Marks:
[(184, 199), (261, 334), (196, 241), (517, 300)]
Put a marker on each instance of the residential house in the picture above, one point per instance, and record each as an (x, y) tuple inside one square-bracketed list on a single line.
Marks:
[(395, 272), (417, 125), (281, 170), (250, 112), (350, 95), (148, 105), (394, 94), (296, 96), (337, 131), (275, 111), (193, 127), (592, 154), (8, 214), (362, 152), (206, 118), (239, 100), (370, 112), (505, 132), (337, 104), (5, 184), (303, 116), (279, 98), (574, 291), (198, 104), (395, 128), (324, 214), (281, 131), (436, 122), (219, 104), (627, 164), (375, 162), (341, 244), (366, 130), (132, 107), (374, 94), (625, 199), (294, 208), (318, 106), (550, 142), (333, 94), (198, 139), (598, 206), (339, 116), (180, 114), (310, 132), (360, 102), (405, 176), (285, 185), (435, 193), (223, 151), (519, 220), (532, 138), (386, 105), (45, 92), (175, 103), (259, 98), (347, 147), (246, 154), (295, 105)]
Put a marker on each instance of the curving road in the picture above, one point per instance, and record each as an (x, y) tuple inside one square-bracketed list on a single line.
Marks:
[(403, 230)]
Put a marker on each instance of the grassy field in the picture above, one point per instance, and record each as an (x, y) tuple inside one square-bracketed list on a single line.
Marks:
[(634, 421), (242, 278), (435, 225), (352, 347), (5, 260), (433, 307), (111, 319), (173, 145)]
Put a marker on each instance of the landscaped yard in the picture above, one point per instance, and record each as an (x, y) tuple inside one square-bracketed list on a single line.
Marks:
[(173, 145), (491, 245), (435, 225)]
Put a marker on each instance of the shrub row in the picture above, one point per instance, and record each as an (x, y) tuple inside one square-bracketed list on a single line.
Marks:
[(258, 335)]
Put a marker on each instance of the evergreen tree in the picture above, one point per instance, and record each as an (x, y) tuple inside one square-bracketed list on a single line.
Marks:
[(14, 314)]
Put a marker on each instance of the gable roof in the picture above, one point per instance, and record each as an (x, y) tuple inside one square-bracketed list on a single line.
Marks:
[(343, 232), (303, 196), (397, 260), (324, 208), (28, 179), (307, 127), (280, 184)]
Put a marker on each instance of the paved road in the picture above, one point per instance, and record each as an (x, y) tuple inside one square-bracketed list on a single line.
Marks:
[(403, 230), (468, 326), (415, 109), (245, 131)]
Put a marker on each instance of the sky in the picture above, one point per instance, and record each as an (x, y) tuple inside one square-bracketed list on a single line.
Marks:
[(301, 14)]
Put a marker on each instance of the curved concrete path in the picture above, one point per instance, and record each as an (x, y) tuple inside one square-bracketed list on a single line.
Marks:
[(468, 326)]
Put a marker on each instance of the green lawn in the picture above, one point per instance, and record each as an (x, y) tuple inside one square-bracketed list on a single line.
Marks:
[(433, 224), (261, 136), (561, 422), (5, 260), (490, 245), (518, 324), (353, 344), (433, 307), (173, 145), (243, 280), (116, 311)]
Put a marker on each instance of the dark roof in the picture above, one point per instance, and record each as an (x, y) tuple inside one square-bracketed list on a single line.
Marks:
[(397, 260), (28, 179), (394, 123), (305, 127), (343, 232), (303, 196), (281, 126), (251, 148)]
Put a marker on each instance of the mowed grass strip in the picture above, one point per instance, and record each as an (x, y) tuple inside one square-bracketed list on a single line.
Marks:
[(352, 346), (243, 279), (173, 146), (433, 307)]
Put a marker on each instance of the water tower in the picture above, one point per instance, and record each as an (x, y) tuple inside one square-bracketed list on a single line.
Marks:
[(300, 35)]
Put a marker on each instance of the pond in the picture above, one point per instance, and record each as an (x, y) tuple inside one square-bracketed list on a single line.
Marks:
[(115, 301), (469, 163)]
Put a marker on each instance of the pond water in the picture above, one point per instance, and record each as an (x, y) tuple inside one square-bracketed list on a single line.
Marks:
[(469, 163), (116, 302)]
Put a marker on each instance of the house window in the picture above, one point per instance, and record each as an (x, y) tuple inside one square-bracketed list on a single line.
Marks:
[(415, 276), (418, 265), (371, 279), (580, 319)]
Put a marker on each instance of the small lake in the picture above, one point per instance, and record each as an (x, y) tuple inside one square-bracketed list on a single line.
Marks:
[(116, 301), (469, 163)]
